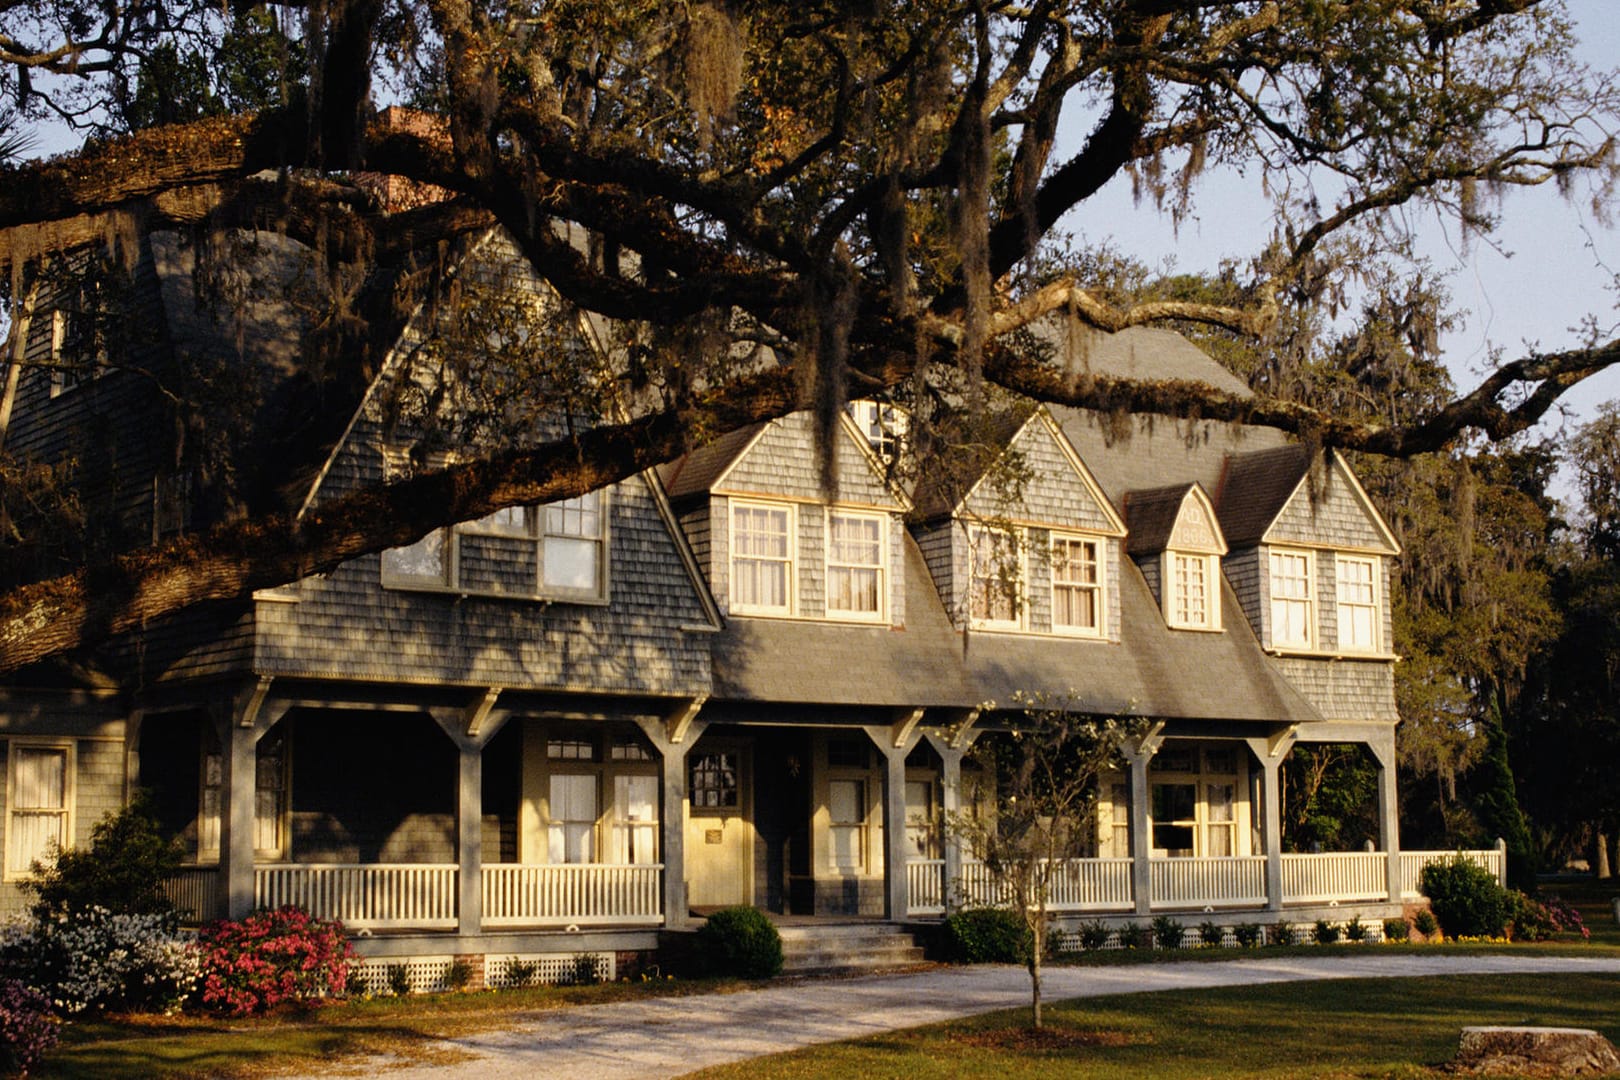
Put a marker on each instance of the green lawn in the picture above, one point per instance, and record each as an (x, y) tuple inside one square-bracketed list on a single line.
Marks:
[(1336, 1028)]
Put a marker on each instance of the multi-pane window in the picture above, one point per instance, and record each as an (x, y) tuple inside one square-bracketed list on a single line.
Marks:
[(846, 832), (713, 783), (635, 819), (1194, 803), (761, 558), (1192, 584), (556, 550), (571, 833), (922, 832), (1293, 614), (37, 822), (994, 586), (1220, 819), (269, 800), (883, 425), (571, 558), (1358, 604), (1175, 818), (855, 578), (1076, 585)]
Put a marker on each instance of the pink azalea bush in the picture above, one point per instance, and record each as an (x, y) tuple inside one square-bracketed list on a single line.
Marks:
[(272, 958)]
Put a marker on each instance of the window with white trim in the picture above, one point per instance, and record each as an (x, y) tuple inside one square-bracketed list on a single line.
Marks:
[(883, 425), (762, 558), (1190, 595), (635, 819), (573, 547), (572, 813), (269, 799), (995, 586), (846, 831), (39, 800), (1077, 590), (1293, 607), (1356, 584), (857, 583)]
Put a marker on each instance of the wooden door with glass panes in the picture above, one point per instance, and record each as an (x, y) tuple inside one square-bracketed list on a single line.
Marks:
[(719, 826)]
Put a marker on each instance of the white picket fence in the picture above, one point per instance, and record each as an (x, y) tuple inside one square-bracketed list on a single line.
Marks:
[(370, 896), (1209, 882), (1343, 876), (1413, 862)]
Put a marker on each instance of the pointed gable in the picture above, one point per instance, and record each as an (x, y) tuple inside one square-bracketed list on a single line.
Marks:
[(1059, 489), (780, 460), (1180, 517)]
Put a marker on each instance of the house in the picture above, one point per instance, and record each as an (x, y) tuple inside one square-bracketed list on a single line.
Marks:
[(565, 730)]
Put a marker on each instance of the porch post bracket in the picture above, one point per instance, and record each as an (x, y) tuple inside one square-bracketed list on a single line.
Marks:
[(478, 712), (962, 735), (1283, 741), (678, 724), (1151, 740), (905, 726), (248, 715)]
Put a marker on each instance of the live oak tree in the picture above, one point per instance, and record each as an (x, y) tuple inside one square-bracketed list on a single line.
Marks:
[(765, 207)]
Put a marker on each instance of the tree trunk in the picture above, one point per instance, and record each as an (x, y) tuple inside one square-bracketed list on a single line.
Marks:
[(1604, 868), (1035, 983)]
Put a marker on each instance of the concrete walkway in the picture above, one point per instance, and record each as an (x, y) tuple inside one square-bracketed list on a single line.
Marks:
[(643, 1040)]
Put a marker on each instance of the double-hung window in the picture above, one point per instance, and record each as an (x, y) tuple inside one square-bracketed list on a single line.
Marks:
[(761, 558), (856, 582), (39, 800), (1077, 591), (1293, 609), (1358, 603), (997, 572), (573, 547)]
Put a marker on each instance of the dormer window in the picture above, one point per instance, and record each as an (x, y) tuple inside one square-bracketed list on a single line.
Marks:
[(1358, 620), (1191, 598), (882, 424), (856, 581), (1293, 602), (761, 558), (997, 578), (1077, 590)]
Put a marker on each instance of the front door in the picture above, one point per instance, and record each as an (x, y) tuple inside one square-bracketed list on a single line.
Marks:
[(719, 825)]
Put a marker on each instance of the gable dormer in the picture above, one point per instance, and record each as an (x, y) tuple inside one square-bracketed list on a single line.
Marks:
[(1177, 541), (1040, 556), (774, 544), (1310, 555)]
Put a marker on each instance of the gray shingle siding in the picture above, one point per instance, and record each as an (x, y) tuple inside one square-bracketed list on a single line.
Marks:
[(1327, 595), (937, 542), (1336, 518), (1053, 495), (782, 462), (1344, 690)]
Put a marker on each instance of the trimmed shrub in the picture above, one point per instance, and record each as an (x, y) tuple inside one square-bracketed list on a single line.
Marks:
[(1466, 899), (1211, 933), (97, 960), (1355, 929), (1282, 933), (1396, 930), (1136, 936), (122, 871), (1094, 935), (1167, 932), (1326, 933), (1424, 923), (27, 1028), (741, 942), (1247, 934), (273, 958), (987, 936)]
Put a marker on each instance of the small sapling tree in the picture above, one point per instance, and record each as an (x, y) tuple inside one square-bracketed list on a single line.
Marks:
[(1031, 804)]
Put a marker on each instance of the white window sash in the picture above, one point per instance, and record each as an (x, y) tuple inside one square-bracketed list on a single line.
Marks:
[(857, 566), (1293, 609), (39, 817), (1357, 588), (990, 593), (762, 558), (1077, 604)]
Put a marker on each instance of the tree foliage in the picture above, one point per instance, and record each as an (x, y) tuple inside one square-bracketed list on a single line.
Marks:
[(765, 207)]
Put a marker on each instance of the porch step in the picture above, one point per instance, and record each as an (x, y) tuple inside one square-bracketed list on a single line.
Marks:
[(847, 947)]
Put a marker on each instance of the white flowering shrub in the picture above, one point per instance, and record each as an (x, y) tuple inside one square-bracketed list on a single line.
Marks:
[(96, 960)]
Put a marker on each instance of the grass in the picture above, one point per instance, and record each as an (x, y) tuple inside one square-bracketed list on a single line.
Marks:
[(1401, 1028)]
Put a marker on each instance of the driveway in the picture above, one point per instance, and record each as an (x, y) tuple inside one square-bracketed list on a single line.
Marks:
[(645, 1040)]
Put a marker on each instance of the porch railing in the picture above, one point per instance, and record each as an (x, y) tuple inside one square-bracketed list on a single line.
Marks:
[(1238, 881), (925, 886), (418, 896), (1074, 885), (194, 892), (1342, 876), (569, 894), (1413, 862)]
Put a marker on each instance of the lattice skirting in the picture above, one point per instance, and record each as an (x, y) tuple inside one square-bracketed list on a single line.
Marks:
[(433, 974)]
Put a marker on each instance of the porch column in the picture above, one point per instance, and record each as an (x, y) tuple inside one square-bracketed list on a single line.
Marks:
[(1269, 753), (470, 727), (1389, 812), (952, 747), (240, 721), (1141, 828), (672, 736), (895, 743)]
